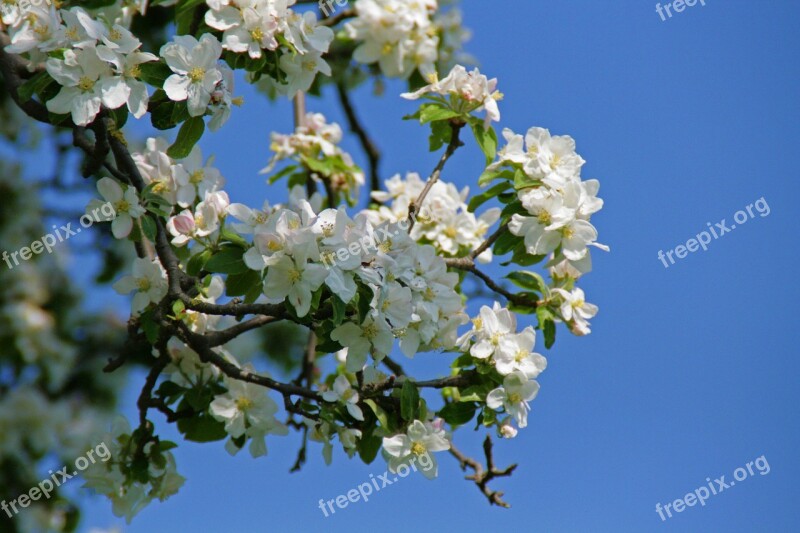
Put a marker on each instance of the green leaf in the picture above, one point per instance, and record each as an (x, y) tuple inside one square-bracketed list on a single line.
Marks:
[(409, 400), (339, 308), (435, 112), (487, 139), (549, 333), (185, 15), (440, 135), (284, 172), (380, 414), (458, 413), (35, 85), (241, 284), (480, 199), (166, 445), (149, 228), (234, 238), (154, 73), (202, 428), (529, 280), (505, 243), (227, 261), (490, 175), (523, 181), (189, 134), (368, 447), (197, 262)]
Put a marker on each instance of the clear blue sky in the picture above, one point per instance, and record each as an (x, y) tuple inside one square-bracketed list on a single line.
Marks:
[(690, 371)]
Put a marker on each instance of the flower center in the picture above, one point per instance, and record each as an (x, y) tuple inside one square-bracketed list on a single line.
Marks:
[(418, 448), (135, 71), (567, 233), (346, 395), (257, 34), (451, 232), (555, 161), (114, 34), (122, 206), (85, 84), (577, 303), (544, 218), (520, 355), (243, 403), (309, 66), (196, 176), (72, 34), (143, 284), (294, 275), (370, 331), (197, 74), (514, 398)]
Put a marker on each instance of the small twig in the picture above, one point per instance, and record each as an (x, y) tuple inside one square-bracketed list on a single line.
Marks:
[(371, 151), (455, 142), (482, 476)]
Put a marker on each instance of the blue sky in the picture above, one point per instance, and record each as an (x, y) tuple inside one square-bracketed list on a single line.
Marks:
[(690, 371)]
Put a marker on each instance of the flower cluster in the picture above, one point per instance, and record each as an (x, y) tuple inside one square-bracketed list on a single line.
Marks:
[(396, 34), (420, 438), (443, 221), (248, 413), (467, 92), (314, 145), (99, 64), (558, 203), (198, 77), (494, 341), (254, 26), (410, 292), (179, 182), (129, 488)]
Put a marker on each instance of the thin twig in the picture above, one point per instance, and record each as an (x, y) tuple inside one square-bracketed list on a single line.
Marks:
[(370, 150), (455, 142)]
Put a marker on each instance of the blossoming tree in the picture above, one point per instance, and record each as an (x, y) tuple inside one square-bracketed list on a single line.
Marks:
[(364, 286)]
